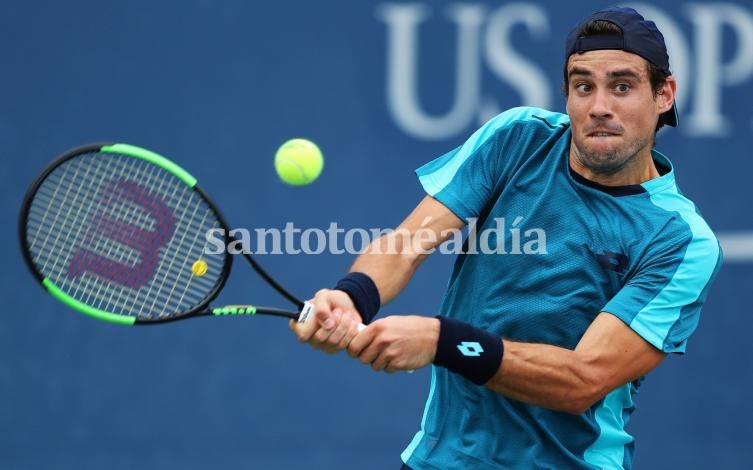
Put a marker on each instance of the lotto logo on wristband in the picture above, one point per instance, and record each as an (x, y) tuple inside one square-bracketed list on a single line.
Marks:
[(470, 348), (480, 351)]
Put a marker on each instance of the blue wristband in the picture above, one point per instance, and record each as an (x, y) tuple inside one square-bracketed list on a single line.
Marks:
[(466, 350), (364, 294)]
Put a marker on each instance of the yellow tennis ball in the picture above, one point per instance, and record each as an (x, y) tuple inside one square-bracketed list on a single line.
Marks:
[(298, 162), (199, 268)]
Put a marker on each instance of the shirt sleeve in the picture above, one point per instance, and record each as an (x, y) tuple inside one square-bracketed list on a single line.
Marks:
[(662, 301), (466, 178)]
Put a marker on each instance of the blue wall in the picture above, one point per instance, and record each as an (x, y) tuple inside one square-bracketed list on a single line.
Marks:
[(218, 86)]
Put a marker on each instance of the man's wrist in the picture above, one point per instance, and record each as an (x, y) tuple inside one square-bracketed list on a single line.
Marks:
[(363, 292), (462, 348)]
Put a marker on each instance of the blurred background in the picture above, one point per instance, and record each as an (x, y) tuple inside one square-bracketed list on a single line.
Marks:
[(382, 87)]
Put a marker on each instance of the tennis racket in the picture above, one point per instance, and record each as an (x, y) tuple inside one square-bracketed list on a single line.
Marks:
[(120, 233)]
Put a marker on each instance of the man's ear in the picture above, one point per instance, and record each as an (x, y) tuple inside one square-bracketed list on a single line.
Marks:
[(665, 98)]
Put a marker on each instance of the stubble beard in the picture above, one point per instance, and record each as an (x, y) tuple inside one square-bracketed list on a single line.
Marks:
[(610, 162)]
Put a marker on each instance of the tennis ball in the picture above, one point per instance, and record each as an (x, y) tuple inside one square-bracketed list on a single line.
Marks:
[(298, 162)]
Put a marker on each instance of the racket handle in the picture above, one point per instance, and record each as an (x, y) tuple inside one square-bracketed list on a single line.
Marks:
[(308, 310)]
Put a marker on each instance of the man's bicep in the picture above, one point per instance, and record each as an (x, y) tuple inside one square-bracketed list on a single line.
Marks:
[(432, 215), (616, 352)]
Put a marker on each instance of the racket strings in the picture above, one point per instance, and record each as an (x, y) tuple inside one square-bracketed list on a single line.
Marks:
[(139, 218), (94, 293), (88, 290), (63, 223), (65, 213), (159, 189), (149, 178), (197, 254), (188, 245)]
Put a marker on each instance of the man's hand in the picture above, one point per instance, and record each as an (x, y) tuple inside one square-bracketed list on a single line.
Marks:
[(397, 343), (333, 324)]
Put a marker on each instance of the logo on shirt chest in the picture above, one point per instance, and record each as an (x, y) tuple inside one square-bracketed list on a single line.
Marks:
[(612, 261)]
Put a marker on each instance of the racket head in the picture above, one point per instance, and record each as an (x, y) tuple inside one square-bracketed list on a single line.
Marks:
[(119, 233)]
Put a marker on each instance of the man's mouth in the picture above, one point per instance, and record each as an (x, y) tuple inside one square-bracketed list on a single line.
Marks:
[(602, 134)]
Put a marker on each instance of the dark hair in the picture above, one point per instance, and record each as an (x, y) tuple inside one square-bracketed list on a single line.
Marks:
[(656, 76)]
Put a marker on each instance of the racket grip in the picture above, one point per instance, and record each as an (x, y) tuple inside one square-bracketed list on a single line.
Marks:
[(308, 310)]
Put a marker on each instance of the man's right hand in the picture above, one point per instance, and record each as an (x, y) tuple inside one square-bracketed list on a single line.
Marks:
[(333, 324)]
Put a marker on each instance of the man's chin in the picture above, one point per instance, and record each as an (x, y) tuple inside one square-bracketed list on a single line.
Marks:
[(604, 163)]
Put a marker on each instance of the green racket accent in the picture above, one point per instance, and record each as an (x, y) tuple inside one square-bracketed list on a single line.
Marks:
[(235, 310), (151, 157), (83, 308)]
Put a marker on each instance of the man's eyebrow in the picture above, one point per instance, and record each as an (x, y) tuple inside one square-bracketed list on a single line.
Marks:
[(579, 71), (619, 73)]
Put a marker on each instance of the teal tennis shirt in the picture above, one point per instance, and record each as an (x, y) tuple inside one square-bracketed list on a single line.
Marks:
[(547, 251)]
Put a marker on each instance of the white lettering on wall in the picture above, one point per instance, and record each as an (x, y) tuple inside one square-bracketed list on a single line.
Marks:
[(705, 66)]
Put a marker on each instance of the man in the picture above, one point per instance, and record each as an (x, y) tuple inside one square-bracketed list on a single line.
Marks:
[(537, 356)]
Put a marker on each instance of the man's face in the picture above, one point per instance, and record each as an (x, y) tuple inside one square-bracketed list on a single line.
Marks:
[(612, 108)]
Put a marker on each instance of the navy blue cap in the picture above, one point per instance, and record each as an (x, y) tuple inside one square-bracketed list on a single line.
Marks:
[(639, 36)]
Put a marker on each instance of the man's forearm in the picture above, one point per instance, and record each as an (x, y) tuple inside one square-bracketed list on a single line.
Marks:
[(608, 355), (546, 376), (389, 265)]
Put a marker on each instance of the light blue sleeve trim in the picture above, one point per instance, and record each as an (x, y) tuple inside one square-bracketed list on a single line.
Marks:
[(435, 179), (654, 322), (608, 451)]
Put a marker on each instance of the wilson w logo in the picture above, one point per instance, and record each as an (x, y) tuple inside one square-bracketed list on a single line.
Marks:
[(114, 233)]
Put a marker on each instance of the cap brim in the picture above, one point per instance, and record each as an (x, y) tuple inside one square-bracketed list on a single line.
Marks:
[(670, 117)]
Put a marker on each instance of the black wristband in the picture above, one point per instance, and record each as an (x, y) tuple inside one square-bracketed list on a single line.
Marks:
[(471, 352), (364, 294)]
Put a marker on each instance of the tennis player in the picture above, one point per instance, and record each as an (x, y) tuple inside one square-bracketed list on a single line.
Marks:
[(537, 354)]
